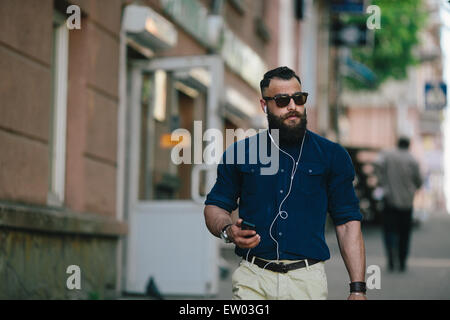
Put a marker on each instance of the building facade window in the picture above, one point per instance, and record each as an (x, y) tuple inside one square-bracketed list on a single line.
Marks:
[(169, 101), (58, 127), (238, 5), (261, 28)]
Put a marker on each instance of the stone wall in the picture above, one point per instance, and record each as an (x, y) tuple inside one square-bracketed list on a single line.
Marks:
[(37, 264), (38, 242)]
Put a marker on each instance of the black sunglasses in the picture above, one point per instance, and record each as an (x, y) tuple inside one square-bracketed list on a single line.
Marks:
[(282, 100)]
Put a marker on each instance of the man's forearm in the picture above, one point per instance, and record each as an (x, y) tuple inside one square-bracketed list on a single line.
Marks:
[(351, 245), (216, 218)]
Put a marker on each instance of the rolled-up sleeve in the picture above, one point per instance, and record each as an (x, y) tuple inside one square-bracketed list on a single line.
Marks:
[(343, 204), (226, 190)]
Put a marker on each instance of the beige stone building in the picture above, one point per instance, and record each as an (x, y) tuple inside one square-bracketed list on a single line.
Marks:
[(58, 134), (376, 119), (91, 203)]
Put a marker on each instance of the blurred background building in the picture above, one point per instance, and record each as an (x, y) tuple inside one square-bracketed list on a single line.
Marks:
[(374, 120), (86, 116)]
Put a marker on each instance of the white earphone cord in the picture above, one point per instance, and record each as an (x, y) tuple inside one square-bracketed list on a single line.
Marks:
[(283, 214)]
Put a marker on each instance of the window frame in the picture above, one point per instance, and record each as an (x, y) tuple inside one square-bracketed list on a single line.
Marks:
[(58, 127)]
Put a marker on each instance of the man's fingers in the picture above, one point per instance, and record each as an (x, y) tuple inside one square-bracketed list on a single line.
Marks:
[(247, 233), (244, 238), (245, 243)]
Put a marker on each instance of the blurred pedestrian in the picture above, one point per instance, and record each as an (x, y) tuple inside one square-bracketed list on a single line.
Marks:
[(284, 254), (399, 177)]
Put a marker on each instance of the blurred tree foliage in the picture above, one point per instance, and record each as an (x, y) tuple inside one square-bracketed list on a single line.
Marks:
[(392, 51)]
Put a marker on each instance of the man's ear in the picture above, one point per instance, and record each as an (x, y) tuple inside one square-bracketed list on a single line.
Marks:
[(263, 105)]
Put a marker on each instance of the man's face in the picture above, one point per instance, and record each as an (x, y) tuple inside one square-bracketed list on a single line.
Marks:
[(290, 120)]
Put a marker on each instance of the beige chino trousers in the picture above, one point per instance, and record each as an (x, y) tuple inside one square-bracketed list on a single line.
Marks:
[(251, 282)]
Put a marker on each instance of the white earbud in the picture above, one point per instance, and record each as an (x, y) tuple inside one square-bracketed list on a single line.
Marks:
[(265, 109)]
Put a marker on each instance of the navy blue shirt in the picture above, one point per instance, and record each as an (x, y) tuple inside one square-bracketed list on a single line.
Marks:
[(322, 183)]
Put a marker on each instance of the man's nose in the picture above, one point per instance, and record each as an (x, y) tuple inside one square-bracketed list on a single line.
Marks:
[(291, 106)]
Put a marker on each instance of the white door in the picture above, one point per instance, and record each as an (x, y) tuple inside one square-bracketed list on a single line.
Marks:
[(168, 240)]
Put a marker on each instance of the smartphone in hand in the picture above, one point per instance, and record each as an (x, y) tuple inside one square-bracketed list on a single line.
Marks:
[(248, 226)]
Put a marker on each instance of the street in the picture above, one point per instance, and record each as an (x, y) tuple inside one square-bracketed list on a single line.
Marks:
[(428, 269)]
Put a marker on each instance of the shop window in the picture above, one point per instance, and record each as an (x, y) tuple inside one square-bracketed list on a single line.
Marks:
[(57, 141), (168, 102)]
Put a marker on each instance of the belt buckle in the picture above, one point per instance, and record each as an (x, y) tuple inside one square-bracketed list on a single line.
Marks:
[(283, 267)]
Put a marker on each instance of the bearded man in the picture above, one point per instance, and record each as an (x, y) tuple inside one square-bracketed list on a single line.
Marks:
[(280, 233)]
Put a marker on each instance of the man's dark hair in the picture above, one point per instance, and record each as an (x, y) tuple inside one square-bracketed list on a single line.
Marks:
[(403, 143), (281, 72)]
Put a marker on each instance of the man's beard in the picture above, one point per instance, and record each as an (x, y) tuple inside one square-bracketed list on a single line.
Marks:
[(289, 135)]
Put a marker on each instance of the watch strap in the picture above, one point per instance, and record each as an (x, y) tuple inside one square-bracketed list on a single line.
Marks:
[(225, 228), (224, 235)]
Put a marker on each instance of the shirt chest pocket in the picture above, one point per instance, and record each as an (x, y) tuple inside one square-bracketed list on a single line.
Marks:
[(250, 179), (312, 177)]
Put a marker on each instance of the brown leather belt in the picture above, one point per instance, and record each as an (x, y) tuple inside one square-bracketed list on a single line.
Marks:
[(282, 267)]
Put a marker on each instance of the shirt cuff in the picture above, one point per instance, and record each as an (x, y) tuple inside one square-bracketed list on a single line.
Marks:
[(221, 204), (345, 217)]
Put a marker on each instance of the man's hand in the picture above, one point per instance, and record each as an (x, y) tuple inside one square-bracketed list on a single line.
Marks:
[(245, 239), (358, 296), (216, 218)]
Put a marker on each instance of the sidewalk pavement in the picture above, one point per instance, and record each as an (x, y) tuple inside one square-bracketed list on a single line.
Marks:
[(428, 266)]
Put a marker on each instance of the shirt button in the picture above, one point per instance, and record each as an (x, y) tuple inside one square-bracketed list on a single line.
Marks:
[(310, 171), (281, 191), (282, 170), (280, 234)]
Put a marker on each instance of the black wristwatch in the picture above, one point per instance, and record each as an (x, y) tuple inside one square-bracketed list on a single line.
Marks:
[(224, 235)]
